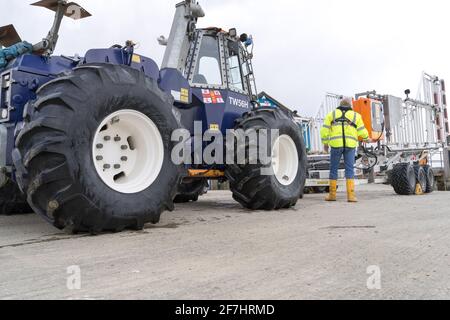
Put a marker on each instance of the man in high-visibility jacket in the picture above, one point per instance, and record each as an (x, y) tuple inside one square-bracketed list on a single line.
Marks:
[(341, 131)]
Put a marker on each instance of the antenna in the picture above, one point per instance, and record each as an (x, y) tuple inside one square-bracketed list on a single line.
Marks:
[(62, 8)]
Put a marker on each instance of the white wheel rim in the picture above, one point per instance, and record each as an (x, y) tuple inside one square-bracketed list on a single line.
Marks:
[(128, 151), (285, 162)]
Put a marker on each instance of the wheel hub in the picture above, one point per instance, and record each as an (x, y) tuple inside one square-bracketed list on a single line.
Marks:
[(285, 163), (128, 151)]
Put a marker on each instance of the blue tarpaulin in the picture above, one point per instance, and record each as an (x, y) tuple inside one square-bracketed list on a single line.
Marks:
[(14, 52)]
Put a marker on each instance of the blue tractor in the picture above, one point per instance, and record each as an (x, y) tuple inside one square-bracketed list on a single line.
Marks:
[(88, 142)]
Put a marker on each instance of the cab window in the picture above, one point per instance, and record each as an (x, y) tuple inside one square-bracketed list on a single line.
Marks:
[(234, 66), (208, 71)]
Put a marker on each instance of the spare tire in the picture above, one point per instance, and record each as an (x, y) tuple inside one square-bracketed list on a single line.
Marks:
[(404, 179), (429, 174), (95, 152), (421, 178)]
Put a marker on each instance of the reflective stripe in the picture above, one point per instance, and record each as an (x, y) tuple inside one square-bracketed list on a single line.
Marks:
[(327, 127), (361, 129), (334, 115), (342, 137), (345, 124), (354, 117)]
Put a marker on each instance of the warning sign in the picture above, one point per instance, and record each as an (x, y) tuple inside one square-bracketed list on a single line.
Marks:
[(212, 97)]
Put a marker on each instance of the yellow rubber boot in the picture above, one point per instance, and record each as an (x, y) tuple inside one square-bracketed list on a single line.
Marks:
[(351, 191), (333, 191)]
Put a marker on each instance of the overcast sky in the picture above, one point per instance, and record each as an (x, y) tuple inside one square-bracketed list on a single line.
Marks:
[(303, 48)]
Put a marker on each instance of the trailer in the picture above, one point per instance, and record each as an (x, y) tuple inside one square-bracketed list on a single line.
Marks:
[(407, 133)]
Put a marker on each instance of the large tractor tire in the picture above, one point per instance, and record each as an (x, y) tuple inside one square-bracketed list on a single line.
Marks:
[(12, 200), (190, 191), (95, 153), (429, 174), (252, 187), (404, 179), (421, 178)]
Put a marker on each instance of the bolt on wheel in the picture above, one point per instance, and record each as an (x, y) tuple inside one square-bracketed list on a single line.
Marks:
[(128, 151)]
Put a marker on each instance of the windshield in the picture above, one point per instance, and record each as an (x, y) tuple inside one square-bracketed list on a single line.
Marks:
[(208, 69)]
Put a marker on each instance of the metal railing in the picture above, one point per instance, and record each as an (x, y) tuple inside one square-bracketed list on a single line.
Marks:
[(421, 122)]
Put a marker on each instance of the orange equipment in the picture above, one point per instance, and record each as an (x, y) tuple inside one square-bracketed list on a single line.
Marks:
[(372, 113)]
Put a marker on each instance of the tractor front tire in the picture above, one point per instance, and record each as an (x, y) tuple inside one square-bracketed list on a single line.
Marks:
[(12, 200), (82, 129), (404, 179), (250, 182), (190, 191)]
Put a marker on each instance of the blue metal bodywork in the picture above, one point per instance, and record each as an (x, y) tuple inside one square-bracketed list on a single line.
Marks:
[(23, 76), (119, 56), (19, 82)]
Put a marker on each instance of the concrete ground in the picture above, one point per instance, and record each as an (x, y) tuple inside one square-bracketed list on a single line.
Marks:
[(216, 250)]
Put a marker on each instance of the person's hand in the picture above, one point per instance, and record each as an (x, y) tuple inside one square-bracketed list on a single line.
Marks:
[(326, 148)]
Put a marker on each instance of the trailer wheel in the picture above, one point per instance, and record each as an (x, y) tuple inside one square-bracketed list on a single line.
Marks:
[(252, 187), (12, 200), (191, 190), (429, 174), (404, 179), (421, 177), (95, 153)]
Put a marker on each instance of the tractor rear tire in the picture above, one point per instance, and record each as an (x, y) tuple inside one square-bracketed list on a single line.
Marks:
[(429, 174), (12, 200), (404, 179), (191, 191), (55, 151), (257, 191), (421, 177)]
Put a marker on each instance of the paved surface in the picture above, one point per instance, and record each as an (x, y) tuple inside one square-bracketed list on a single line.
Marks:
[(215, 250)]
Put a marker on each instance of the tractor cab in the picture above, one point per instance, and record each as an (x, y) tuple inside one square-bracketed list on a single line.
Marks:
[(220, 60)]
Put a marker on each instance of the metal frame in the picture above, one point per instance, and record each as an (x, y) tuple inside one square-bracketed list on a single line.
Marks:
[(420, 134), (181, 34), (199, 35), (193, 56), (241, 62), (61, 7)]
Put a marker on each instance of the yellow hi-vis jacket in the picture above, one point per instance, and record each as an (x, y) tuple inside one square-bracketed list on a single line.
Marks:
[(341, 130)]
